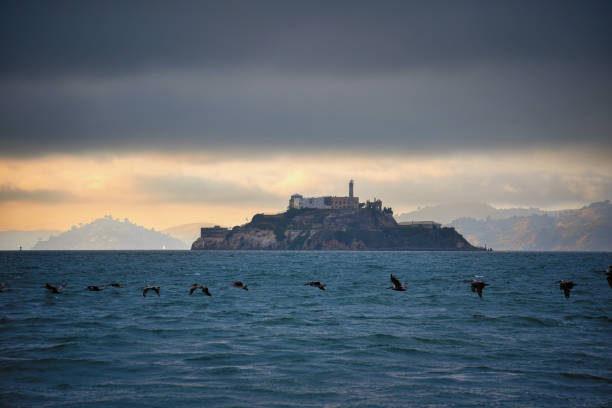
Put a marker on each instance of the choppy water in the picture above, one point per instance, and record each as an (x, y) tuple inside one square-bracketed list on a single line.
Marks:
[(285, 344)]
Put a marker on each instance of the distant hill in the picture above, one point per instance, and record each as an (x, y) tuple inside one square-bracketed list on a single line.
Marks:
[(109, 233), (12, 240), (446, 213), (585, 229), (187, 232)]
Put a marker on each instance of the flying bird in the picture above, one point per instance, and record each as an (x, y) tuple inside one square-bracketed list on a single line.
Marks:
[(608, 275), (396, 284), (478, 286), (566, 286), (196, 286), (54, 289), (95, 288), (316, 284), (240, 285), (145, 289)]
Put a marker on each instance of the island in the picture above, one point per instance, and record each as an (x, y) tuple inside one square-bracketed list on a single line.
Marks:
[(363, 229), (333, 223)]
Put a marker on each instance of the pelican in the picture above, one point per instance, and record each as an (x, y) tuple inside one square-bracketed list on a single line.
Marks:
[(478, 286), (396, 284), (608, 275), (116, 285), (95, 288), (196, 286), (54, 289), (566, 286), (239, 284), (316, 284), (145, 289)]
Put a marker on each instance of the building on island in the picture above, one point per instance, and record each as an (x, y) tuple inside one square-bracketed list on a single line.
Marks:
[(345, 202), (298, 202)]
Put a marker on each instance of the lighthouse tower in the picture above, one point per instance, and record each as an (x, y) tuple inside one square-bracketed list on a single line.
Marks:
[(351, 189)]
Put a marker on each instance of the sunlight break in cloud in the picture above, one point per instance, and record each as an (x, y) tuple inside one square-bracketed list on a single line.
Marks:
[(165, 190)]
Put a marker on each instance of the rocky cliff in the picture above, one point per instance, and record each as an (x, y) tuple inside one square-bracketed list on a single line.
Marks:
[(354, 229)]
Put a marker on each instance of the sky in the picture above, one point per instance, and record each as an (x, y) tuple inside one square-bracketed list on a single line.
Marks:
[(177, 112)]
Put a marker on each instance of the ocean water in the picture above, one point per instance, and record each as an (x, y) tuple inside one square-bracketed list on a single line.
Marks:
[(283, 344)]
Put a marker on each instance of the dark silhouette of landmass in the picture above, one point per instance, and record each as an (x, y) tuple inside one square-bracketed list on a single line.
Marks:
[(317, 229)]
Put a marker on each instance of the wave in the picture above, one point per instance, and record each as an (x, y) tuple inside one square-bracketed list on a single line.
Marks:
[(58, 346), (380, 336), (440, 340), (211, 357), (404, 350), (22, 364), (281, 321), (531, 320), (584, 376)]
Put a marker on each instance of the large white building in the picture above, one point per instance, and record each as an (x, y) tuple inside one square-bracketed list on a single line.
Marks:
[(297, 201)]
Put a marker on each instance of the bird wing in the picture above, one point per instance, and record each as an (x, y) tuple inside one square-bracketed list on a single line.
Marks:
[(479, 289), (156, 289), (395, 282), (144, 291), (566, 292), (192, 289), (205, 290)]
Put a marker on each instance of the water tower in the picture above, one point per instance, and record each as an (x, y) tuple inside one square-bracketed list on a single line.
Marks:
[(351, 189)]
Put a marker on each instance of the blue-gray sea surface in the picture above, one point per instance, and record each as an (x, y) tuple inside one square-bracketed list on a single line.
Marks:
[(283, 344)]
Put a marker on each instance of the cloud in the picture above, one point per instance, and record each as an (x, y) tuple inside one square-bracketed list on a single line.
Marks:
[(67, 38), (476, 109), (189, 189), (11, 193), (529, 188), (275, 76)]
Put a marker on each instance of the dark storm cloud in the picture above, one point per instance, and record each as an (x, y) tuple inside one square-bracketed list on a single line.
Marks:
[(264, 76), (345, 37), (425, 112)]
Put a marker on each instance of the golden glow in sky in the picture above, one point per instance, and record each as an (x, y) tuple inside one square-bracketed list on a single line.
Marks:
[(156, 190)]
